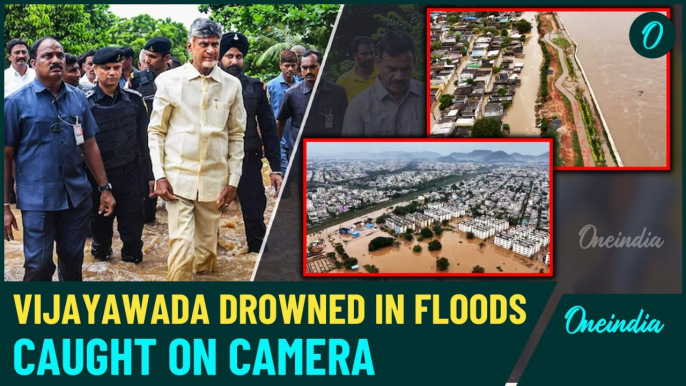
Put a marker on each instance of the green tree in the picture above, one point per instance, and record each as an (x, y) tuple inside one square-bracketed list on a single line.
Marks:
[(469, 81), (470, 235), (506, 41), (478, 269), (427, 233), (446, 101), (408, 237), (135, 32), (348, 263), (523, 26), (442, 264), (417, 249), (503, 32), (435, 245), (380, 242), (501, 91), (435, 45), (78, 27), (487, 128), (446, 222), (497, 69), (452, 19), (481, 244), (438, 230), (371, 268)]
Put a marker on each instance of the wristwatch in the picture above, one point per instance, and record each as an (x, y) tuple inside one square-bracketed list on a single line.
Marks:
[(107, 186)]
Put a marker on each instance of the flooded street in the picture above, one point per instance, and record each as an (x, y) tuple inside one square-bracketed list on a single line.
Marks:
[(630, 89), (463, 254), (234, 263), (521, 116)]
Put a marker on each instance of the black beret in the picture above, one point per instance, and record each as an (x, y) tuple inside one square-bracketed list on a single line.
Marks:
[(158, 44), (108, 55), (234, 39)]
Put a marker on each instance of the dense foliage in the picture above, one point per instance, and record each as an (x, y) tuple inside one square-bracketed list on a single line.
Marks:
[(487, 128), (442, 264), (380, 242), (435, 245), (270, 28)]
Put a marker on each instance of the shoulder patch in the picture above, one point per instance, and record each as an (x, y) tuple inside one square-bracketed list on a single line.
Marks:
[(90, 93)]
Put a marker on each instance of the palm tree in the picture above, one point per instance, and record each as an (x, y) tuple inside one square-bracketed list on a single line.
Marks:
[(282, 38)]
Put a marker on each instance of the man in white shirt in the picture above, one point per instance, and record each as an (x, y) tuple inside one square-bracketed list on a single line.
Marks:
[(88, 80), (19, 73), (196, 147)]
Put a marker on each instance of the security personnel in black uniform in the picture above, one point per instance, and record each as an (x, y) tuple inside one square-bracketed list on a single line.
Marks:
[(157, 54), (123, 141), (233, 48)]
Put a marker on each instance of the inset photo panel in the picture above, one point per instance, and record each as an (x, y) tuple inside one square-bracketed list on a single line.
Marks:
[(426, 207), (542, 72)]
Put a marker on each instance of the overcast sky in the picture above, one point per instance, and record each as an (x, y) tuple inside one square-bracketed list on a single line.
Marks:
[(444, 148), (182, 13)]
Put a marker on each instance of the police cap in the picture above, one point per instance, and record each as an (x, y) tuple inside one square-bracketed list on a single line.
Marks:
[(108, 55), (158, 44), (234, 39)]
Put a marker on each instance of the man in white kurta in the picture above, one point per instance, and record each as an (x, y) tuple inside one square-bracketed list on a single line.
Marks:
[(196, 147)]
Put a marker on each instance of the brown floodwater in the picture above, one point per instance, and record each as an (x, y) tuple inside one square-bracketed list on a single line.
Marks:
[(234, 263), (463, 254), (631, 89), (521, 116)]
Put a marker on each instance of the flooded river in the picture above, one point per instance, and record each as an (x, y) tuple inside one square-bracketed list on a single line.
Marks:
[(631, 89), (234, 262), (521, 116)]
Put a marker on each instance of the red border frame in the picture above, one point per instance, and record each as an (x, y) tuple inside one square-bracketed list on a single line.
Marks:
[(554, 9), (424, 140)]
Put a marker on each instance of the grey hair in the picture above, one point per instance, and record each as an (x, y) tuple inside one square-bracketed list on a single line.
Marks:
[(204, 28), (141, 55)]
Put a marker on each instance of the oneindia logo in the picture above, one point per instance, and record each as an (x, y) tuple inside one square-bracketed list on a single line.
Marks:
[(588, 238), (578, 323)]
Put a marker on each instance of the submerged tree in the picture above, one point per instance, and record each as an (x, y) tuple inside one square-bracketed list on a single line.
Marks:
[(478, 269), (442, 264)]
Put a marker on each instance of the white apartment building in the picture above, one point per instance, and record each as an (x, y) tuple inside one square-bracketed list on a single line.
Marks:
[(503, 240), (524, 248)]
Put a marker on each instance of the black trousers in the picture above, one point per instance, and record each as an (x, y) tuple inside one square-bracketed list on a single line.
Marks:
[(128, 212), (253, 200)]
